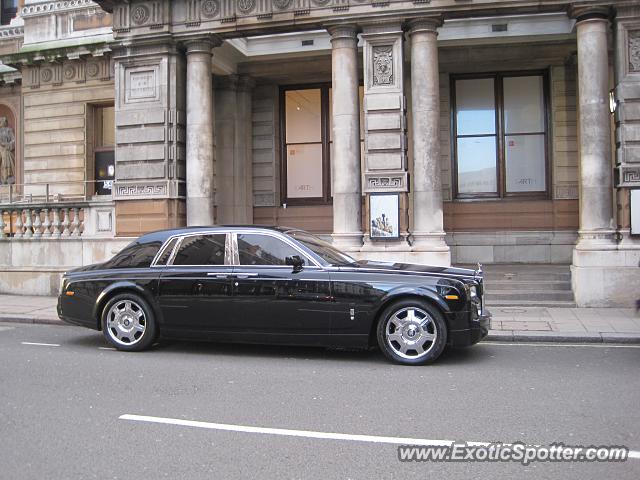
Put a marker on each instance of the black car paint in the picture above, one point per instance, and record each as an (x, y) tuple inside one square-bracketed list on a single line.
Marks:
[(326, 305)]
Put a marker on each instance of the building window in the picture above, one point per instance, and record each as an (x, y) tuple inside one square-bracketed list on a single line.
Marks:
[(103, 148), (500, 133), (307, 140), (9, 10)]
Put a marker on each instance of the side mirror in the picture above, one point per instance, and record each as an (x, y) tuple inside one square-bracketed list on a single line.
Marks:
[(296, 262)]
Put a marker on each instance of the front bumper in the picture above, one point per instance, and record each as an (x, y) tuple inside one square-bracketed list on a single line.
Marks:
[(479, 328)]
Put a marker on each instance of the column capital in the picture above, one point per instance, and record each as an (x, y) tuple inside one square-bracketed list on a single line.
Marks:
[(581, 14), (425, 24), (202, 44), (344, 31)]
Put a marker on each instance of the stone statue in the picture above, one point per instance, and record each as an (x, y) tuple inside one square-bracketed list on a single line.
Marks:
[(7, 147)]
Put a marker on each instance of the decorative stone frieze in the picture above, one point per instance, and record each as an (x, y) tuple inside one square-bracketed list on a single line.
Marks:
[(68, 72)]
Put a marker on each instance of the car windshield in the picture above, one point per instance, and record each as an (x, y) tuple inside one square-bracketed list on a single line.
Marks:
[(323, 249)]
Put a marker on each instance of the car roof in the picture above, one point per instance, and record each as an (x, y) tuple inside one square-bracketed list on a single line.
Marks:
[(162, 235)]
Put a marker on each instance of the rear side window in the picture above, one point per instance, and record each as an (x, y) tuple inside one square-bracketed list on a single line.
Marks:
[(135, 255), (256, 249), (201, 250)]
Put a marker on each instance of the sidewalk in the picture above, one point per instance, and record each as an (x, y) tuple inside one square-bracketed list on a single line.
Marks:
[(509, 324)]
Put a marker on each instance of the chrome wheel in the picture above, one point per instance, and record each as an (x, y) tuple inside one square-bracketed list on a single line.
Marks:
[(126, 322), (411, 333)]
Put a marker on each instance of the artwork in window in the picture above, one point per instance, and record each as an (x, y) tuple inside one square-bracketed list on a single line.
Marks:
[(525, 164), (304, 170), (477, 165), (384, 213)]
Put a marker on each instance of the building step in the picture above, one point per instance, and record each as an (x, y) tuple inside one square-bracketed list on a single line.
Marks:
[(534, 295), (524, 286), (529, 303)]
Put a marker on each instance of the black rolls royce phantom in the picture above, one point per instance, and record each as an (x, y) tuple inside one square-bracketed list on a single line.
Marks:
[(276, 286)]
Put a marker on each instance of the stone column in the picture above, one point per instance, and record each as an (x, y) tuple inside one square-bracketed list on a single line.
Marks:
[(428, 219), (234, 192), (347, 197), (199, 132), (596, 198)]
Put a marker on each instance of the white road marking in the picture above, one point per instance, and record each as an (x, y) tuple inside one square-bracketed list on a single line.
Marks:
[(42, 344), (543, 344), (307, 433)]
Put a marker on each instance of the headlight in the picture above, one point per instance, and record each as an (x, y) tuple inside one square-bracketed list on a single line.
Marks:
[(473, 291), (63, 279)]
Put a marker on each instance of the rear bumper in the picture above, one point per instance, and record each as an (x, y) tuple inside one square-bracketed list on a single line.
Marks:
[(479, 328)]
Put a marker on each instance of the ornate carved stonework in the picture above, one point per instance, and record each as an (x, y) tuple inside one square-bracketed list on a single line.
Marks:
[(246, 6), (46, 74), (386, 182), (140, 14), (382, 65), (281, 4), (634, 51), (141, 190), (210, 8)]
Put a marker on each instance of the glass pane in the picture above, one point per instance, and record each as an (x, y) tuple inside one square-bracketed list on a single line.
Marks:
[(201, 250), (524, 104), (263, 250), (525, 163), (303, 115), (475, 106), (304, 171), (477, 165)]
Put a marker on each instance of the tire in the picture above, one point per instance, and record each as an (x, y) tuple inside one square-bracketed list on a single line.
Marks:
[(411, 332), (128, 323)]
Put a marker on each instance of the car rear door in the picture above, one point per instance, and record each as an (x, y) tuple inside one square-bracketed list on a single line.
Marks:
[(271, 298), (195, 288)]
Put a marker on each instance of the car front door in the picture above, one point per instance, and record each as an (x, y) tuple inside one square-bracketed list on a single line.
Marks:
[(273, 298), (195, 287)]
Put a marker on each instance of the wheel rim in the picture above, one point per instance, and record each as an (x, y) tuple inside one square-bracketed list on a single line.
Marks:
[(126, 322), (411, 333)]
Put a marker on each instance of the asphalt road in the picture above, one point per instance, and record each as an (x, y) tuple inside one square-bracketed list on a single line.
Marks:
[(60, 408)]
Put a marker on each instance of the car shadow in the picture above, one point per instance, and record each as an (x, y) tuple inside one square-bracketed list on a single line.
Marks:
[(450, 356)]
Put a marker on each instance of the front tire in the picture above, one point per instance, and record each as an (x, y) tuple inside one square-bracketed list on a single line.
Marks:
[(128, 323), (412, 332)]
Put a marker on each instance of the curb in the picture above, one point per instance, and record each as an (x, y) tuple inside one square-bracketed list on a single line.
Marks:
[(517, 336), (31, 320), (513, 336)]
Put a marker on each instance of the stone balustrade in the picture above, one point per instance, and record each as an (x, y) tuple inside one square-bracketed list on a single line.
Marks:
[(35, 222)]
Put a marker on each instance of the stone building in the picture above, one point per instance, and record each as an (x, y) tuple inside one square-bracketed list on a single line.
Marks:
[(427, 131)]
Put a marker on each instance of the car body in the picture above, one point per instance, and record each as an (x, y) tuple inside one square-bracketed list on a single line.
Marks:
[(273, 286)]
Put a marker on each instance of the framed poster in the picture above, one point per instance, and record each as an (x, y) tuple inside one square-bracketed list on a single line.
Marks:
[(384, 211)]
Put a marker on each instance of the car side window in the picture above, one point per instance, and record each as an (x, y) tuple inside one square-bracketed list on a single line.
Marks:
[(201, 250), (255, 249)]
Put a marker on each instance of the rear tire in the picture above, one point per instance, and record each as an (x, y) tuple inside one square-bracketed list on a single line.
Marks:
[(412, 332), (128, 323)]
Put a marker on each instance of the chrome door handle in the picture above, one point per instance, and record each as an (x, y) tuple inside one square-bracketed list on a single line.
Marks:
[(245, 275), (218, 275)]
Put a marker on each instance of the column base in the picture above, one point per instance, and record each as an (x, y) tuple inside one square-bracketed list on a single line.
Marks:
[(429, 253), (606, 277), (596, 240), (348, 242)]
